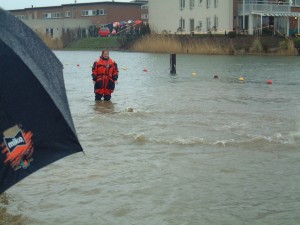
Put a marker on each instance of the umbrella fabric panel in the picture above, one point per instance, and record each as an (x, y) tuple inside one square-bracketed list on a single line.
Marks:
[(36, 126), (25, 103), (39, 59)]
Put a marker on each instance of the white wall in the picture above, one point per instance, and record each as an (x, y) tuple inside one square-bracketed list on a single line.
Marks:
[(57, 25), (166, 14), (163, 15)]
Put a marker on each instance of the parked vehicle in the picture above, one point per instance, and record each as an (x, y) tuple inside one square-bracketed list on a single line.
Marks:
[(104, 32)]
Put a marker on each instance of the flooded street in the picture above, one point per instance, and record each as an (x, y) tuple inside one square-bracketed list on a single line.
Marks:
[(194, 150)]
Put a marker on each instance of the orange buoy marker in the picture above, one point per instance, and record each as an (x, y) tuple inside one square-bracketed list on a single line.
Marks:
[(269, 82), (145, 70), (241, 79)]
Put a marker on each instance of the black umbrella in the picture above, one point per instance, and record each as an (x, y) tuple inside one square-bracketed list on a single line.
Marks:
[(36, 126)]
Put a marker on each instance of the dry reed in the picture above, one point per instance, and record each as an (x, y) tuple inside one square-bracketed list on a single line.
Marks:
[(287, 47), (174, 44), (52, 43), (206, 45), (157, 44)]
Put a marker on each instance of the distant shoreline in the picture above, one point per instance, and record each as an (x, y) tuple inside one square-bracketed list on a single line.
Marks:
[(216, 45), (186, 44)]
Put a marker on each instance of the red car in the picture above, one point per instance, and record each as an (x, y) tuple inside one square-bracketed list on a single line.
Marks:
[(104, 32)]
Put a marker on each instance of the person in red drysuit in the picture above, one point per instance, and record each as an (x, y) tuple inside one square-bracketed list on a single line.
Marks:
[(105, 73)]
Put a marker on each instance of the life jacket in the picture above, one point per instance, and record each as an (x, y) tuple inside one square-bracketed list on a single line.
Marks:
[(105, 67)]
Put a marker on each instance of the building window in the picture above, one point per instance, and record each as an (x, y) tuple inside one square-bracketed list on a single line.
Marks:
[(181, 4), (52, 15), (68, 14), (47, 15), (20, 17), (192, 4), (216, 23), (49, 31), (192, 25), (216, 3), (88, 12), (208, 24), (100, 12), (181, 25), (144, 7), (145, 16), (199, 27), (296, 2), (56, 15), (207, 4)]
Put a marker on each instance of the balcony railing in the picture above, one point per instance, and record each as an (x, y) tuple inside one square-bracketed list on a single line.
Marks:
[(263, 6)]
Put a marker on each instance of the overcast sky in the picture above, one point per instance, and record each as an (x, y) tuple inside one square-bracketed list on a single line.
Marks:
[(21, 4)]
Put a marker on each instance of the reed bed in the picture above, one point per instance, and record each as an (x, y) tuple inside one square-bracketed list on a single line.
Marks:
[(52, 43), (157, 44), (204, 45), (287, 47), (212, 45), (175, 44)]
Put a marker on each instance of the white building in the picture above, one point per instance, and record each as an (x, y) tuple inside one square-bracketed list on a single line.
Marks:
[(281, 16), (190, 16), (55, 27)]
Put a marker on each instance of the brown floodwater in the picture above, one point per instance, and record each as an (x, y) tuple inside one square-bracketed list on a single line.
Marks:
[(173, 149)]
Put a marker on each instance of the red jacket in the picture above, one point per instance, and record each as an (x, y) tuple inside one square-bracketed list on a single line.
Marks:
[(105, 67)]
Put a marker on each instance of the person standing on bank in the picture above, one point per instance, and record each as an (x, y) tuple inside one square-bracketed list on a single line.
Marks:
[(105, 73)]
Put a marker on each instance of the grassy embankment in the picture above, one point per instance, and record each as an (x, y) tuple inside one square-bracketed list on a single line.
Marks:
[(91, 43), (95, 43)]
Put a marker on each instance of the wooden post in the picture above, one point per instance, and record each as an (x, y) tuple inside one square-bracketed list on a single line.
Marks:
[(173, 63)]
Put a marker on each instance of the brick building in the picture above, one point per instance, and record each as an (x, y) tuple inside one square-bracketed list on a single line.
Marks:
[(55, 19)]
